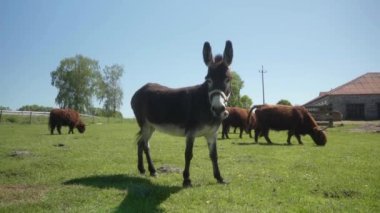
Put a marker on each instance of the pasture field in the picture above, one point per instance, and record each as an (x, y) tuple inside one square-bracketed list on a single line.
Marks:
[(97, 172)]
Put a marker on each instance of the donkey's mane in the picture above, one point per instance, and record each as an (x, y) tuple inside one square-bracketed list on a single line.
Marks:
[(218, 58)]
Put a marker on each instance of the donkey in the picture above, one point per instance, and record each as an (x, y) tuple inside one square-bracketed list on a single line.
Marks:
[(189, 112)]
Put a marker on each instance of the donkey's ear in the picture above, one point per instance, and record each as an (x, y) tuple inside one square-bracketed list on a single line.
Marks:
[(228, 53), (207, 54)]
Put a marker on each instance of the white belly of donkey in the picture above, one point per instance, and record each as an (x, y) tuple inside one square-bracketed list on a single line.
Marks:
[(177, 131)]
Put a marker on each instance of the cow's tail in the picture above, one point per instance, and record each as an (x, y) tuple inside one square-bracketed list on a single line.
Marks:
[(250, 113)]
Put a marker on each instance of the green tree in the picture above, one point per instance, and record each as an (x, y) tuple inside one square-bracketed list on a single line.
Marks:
[(109, 90), (35, 107), (284, 102), (246, 102), (236, 85), (76, 80), (102, 113), (4, 108)]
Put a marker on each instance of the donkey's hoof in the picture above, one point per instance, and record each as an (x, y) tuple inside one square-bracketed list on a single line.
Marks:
[(153, 174), (223, 182), (187, 183)]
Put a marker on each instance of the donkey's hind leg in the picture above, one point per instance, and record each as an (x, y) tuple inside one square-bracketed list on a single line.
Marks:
[(143, 146)]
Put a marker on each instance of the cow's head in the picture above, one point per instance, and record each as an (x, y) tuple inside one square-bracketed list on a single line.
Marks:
[(319, 136), (218, 78), (81, 127)]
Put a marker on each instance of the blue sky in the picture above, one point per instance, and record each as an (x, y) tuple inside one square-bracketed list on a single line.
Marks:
[(306, 46)]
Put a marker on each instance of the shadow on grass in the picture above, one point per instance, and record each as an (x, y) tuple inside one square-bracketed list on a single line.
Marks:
[(141, 194)]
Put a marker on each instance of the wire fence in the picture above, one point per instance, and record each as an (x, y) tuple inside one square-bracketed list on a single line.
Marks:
[(34, 117)]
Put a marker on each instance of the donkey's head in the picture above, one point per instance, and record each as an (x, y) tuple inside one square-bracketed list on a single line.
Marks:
[(218, 78)]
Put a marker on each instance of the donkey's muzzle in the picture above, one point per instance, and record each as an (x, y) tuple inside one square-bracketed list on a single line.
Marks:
[(218, 103), (220, 112)]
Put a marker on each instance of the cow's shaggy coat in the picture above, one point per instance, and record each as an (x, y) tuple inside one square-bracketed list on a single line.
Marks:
[(296, 119), (237, 117), (65, 117)]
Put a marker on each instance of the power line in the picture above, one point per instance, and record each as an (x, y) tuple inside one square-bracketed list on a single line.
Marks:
[(262, 71)]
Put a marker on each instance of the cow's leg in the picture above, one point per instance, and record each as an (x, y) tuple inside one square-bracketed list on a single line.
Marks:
[(71, 129), (143, 146), (224, 131), (298, 136), (52, 127), (266, 135), (241, 132), (188, 157), (59, 128), (228, 131), (290, 134), (211, 141), (257, 134)]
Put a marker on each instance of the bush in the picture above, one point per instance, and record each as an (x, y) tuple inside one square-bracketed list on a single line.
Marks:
[(11, 119)]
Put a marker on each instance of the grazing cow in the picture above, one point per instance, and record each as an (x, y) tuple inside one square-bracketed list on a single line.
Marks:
[(237, 117), (296, 119), (65, 117), (189, 112)]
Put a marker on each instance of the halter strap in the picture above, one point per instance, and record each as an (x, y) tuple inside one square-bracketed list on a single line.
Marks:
[(217, 91)]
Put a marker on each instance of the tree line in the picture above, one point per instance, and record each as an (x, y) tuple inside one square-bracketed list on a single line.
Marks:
[(80, 79)]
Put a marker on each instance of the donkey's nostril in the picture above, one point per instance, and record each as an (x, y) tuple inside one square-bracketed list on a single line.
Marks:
[(218, 110)]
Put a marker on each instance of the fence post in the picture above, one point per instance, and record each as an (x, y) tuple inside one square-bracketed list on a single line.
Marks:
[(30, 118)]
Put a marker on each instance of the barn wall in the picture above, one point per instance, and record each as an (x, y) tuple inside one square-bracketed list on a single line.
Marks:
[(339, 103)]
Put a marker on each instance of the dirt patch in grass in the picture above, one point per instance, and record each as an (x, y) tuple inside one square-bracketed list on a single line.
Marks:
[(336, 194), (165, 169), (373, 127), (20, 153), (14, 194), (340, 194)]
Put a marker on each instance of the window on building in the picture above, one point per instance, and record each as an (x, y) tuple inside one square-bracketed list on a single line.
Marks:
[(355, 112)]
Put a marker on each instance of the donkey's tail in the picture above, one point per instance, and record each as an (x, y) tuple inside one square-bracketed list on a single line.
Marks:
[(138, 136)]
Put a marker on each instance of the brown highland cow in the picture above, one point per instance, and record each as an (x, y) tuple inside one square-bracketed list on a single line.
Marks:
[(296, 119), (65, 117), (237, 118)]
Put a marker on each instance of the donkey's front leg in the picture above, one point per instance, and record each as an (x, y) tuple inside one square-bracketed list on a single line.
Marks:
[(188, 157), (211, 141)]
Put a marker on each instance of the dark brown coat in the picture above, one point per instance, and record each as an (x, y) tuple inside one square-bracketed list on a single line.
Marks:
[(237, 118), (65, 117), (296, 119)]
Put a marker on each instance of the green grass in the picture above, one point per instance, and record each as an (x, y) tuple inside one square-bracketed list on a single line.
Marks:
[(97, 172)]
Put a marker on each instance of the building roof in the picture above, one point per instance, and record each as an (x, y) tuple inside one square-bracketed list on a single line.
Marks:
[(367, 84)]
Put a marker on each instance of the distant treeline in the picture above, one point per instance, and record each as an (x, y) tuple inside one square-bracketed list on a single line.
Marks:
[(93, 111)]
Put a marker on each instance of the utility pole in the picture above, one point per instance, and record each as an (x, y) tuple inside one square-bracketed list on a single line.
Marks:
[(262, 71)]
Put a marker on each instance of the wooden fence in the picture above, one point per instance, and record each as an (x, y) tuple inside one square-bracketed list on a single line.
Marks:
[(8, 116), (324, 114)]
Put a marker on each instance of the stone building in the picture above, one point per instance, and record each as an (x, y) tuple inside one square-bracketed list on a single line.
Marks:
[(358, 99)]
